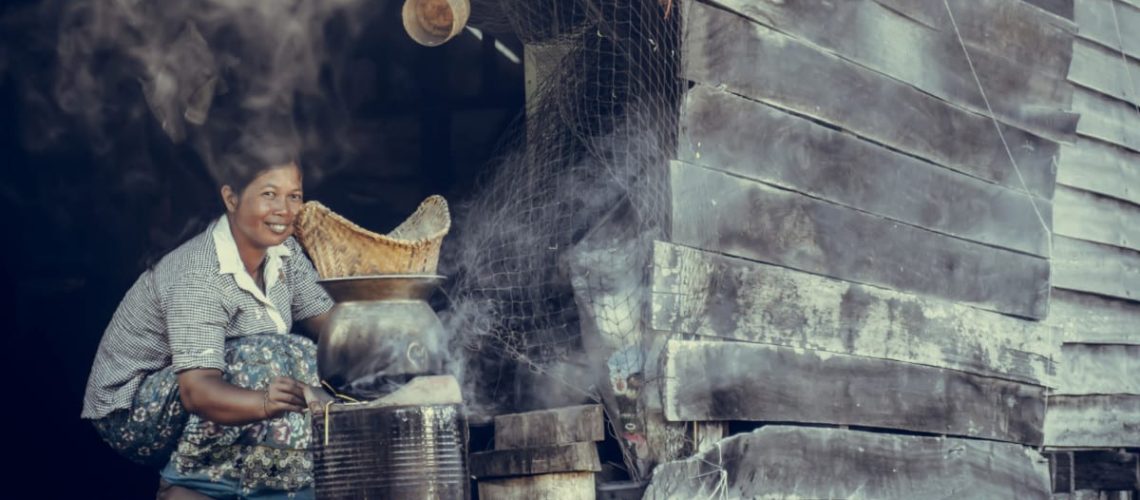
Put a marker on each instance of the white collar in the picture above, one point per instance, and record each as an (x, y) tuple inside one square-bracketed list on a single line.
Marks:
[(229, 260)]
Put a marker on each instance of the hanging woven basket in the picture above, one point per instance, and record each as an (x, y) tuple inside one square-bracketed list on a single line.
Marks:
[(339, 248)]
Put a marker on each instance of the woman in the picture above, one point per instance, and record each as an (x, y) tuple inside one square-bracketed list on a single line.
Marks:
[(198, 372)]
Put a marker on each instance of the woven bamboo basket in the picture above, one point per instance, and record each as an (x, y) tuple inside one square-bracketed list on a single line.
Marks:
[(340, 248)]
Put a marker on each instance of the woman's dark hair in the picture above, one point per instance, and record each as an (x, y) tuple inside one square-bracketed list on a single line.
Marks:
[(254, 151)]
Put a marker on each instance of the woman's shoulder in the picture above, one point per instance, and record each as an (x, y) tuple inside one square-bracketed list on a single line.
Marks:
[(196, 256)]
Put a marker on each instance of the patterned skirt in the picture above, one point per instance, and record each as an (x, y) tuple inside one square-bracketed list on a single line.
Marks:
[(270, 455)]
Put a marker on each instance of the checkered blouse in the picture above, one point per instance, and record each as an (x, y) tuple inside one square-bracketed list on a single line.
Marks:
[(182, 311)]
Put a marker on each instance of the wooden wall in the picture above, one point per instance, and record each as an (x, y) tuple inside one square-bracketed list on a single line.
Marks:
[(1096, 243), (851, 244)]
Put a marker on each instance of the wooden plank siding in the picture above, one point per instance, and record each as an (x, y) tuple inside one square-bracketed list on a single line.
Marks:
[(757, 382), (1095, 268), (1099, 369), (1100, 69), (1091, 217), (727, 132), (1030, 93), (1081, 317), (723, 213), (1100, 421), (1107, 119), (723, 48), (1101, 168), (779, 461), (1060, 8), (701, 293), (1098, 24)]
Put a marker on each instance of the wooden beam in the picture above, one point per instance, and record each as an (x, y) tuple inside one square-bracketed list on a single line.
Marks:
[(731, 133), (1098, 23), (722, 48), (1081, 317), (695, 292), (1094, 268), (555, 426), (756, 382), (779, 461), (544, 486), (1107, 119), (1101, 421), (1099, 369), (1105, 71), (573, 457), (1091, 217), (1100, 167), (797, 231)]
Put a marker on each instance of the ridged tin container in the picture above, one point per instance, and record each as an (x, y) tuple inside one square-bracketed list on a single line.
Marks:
[(413, 452)]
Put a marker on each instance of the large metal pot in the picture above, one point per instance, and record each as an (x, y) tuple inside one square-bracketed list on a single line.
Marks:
[(380, 330)]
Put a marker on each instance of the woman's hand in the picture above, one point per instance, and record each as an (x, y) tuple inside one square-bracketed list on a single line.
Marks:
[(283, 395)]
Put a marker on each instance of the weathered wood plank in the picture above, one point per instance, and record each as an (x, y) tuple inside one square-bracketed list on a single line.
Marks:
[(1091, 267), (555, 426), (1100, 69), (1030, 93), (1107, 119), (1099, 369), (722, 48), (737, 135), (1081, 317), (573, 457), (700, 293), (542, 487), (758, 382), (1062, 8), (1091, 217), (1101, 168), (1097, 23), (823, 238), (778, 461), (1100, 421)]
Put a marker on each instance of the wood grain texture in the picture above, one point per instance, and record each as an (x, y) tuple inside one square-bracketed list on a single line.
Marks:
[(556, 486), (1107, 119), (1101, 168), (701, 293), (779, 461), (743, 137), (1091, 217), (1099, 369), (757, 382), (1097, 23), (1105, 71), (1030, 93), (1082, 317), (573, 457), (715, 211), (555, 426), (722, 48), (1101, 421), (1095, 268)]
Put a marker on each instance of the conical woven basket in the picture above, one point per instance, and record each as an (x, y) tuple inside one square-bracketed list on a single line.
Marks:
[(340, 248)]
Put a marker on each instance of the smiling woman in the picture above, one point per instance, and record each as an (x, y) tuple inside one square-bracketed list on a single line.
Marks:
[(198, 373)]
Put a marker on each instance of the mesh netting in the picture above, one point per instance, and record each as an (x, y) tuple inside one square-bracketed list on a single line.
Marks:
[(549, 259)]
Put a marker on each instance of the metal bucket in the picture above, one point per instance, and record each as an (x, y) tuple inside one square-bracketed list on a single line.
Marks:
[(433, 22), (414, 452)]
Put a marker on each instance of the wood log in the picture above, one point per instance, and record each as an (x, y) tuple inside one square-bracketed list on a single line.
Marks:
[(1094, 268), (1107, 119), (695, 292), (1101, 168), (730, 133), (573, 457), (1100, 69), (1100, 421), (1030, 93), (804, 233), (573, 424), (780, 461), (1099, 369), (542, 487), (1085, 318), (1087, 216), (721, 48), (756, 382), (1099, 24)]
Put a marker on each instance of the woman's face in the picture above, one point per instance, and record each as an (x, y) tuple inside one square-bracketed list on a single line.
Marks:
[(262, 215)]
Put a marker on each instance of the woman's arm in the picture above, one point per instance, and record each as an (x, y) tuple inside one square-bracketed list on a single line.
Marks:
[(206, 394)]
